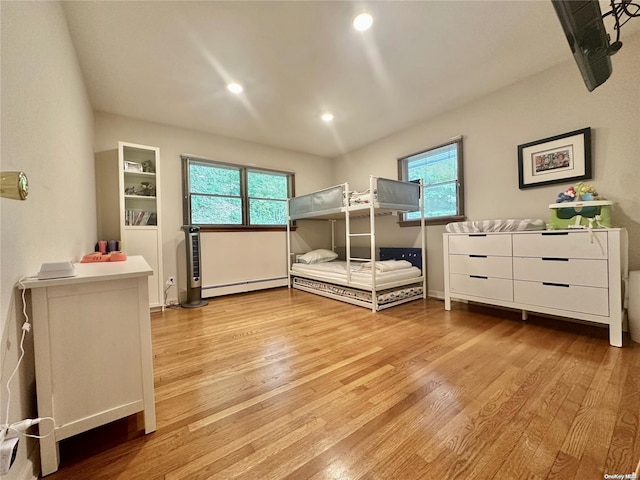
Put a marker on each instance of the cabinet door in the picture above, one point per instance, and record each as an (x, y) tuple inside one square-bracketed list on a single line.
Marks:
[(144, 241)]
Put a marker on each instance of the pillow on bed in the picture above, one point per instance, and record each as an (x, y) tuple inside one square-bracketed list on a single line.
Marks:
[(318, 256)]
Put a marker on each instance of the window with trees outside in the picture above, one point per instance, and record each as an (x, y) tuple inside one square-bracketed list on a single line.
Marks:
[(228, 196), (440, 169)]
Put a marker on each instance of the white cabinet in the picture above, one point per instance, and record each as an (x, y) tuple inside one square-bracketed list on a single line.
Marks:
[(568, 273), (128, 197), (92, 350)]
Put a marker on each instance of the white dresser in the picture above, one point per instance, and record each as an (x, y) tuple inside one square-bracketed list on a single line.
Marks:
[(568, 273)]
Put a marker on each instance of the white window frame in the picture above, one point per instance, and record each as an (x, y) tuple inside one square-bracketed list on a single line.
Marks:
[(403, 174)]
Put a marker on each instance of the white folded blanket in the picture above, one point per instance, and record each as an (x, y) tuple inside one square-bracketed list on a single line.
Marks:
[(387, 265)]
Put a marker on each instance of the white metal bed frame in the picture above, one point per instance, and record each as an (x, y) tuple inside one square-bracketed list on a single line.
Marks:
[(372, 208)]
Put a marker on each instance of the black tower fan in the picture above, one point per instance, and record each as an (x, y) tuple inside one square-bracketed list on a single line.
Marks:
[(194, 282)]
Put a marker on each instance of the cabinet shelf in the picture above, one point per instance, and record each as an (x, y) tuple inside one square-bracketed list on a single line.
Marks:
[(144, 197), (139, 175)]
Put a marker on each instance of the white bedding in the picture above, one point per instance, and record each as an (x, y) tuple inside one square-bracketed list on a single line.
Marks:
[(356, 198), (360, 273), (387, 265)]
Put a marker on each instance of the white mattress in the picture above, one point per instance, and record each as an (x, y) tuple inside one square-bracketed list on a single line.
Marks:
[(337, 270)]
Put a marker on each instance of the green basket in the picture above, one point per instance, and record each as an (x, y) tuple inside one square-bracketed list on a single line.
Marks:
[(596, 213)]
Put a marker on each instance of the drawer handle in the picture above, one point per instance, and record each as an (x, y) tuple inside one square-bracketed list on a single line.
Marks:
[(478, 235), (550, 284), (553, 259), (478, 256), (479, 276), (555, 233)]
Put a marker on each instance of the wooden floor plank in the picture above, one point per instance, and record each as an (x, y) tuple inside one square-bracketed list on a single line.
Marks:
[(284, 384)]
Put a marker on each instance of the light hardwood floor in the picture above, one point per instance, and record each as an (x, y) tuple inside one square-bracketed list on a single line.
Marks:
[(284, 384)]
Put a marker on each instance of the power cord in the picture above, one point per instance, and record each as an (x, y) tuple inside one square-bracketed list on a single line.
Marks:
[(618, 10), (168, 286), (11, 432), (26, 327)]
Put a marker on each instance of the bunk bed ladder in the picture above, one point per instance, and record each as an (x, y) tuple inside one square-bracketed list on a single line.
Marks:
[(347, 226), (371, 234)]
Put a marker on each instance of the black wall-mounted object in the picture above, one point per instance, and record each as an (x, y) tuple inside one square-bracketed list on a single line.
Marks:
[(582, 23), (194, 282)]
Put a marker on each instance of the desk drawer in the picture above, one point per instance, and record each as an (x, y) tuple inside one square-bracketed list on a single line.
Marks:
[(570, 298), (480, 244), (481, 286), (561, 244), (500, 267), (572, 271)]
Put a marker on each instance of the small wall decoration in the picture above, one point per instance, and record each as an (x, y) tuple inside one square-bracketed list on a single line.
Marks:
[(560, 159)]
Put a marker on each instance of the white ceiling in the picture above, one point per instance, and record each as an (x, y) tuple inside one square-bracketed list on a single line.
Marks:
[(169, 62)]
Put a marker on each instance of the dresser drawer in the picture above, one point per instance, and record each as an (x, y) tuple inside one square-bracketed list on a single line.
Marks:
[(571, 271), (480, 244), (482, 287), (487, 266), (569, 298), (556, 244)]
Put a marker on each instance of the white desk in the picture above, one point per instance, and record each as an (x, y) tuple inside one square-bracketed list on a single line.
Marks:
[(92, 343)]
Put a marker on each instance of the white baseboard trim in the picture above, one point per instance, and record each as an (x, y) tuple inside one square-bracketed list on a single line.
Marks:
[(435, 294)]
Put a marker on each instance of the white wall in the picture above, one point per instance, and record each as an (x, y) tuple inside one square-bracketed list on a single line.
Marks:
[(47, 132), (311, 172), (550, 103)]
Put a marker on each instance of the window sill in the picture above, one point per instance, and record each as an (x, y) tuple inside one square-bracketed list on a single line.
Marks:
[(433, 221), (244, 228)]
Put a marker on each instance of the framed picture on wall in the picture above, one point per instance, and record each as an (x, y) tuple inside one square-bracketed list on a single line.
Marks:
[(560, 159)]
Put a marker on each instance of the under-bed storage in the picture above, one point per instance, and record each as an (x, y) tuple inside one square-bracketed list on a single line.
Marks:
[(568, 273)]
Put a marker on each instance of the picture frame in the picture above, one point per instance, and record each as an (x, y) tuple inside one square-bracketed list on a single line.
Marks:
[(563, 158), (132, 167)]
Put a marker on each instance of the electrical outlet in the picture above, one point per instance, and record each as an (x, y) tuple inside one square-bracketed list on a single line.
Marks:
[(171, 281), (8, 451)]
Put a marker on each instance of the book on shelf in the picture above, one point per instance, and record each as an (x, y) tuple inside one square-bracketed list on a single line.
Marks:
[(140, 217)]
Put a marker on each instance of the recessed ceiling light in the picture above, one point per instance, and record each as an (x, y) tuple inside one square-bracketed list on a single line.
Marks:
[(363, 22), (235, 88), (327, 117)]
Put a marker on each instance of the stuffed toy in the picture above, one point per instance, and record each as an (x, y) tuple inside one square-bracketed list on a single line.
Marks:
[(579, 193), (569, 195), (587, 193)]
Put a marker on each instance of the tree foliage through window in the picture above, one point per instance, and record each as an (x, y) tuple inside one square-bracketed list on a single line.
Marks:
[(440, 169), (227, 195)]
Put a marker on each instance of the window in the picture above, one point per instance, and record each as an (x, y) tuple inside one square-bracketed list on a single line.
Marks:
[(440, 169), (221, 195)]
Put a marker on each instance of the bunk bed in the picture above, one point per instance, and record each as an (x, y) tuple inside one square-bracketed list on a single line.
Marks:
[(389, 276)]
